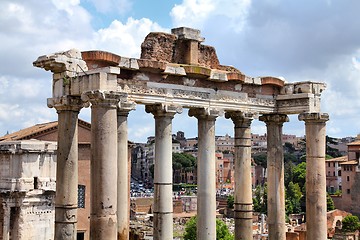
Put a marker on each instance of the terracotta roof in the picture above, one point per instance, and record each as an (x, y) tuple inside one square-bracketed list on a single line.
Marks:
[(338, 159), (357, 142), (30, 132), (352, 162)]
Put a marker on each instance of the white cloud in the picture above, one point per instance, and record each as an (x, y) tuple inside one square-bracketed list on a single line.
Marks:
[(125, 38), (197, 13), (110, 6), (300, 41), (32, 28)]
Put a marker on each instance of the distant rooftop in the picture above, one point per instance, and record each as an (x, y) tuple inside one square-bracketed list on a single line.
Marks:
[(36, 130)]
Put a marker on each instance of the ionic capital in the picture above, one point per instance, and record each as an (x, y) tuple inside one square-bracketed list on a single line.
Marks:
[(124, 107), (313, 117), (66, 103), (100, 98), (69, 62), (205, 113), (274, 118), (163, 110), (240, 119)]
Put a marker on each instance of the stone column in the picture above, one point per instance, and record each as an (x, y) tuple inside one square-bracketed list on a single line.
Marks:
[(103, 219), (243, 211), (275, 178), (316, 221), (66, 198), (163, 203), (206, 167), (123, 181)]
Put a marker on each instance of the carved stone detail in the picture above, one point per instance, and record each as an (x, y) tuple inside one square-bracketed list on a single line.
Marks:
[(69, 61), (163, 109), (205, 113), (240, 118), (66, 103), (313, 117), (274, 118), (103, 98)]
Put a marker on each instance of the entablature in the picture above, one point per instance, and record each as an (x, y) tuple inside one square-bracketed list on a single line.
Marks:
[(200, 82)]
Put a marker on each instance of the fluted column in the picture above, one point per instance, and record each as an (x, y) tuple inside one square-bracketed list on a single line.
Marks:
[(206, 167), (123, 181), (275, 179), (243, 211), (103, 219), (316, 221), (66, 198), (163, 203)]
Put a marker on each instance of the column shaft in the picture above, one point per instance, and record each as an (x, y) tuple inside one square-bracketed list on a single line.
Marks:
[(103, 219), (66, 198), (316, 220), (206, 177), (275, 178), (243, 212), (123, 188), (163, 201)]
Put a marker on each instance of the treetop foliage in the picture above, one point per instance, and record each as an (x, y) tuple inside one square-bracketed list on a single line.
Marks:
[(222, 232), (350, 223)]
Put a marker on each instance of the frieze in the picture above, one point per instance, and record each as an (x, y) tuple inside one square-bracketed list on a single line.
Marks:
[(180, 93), (261, 101), (293, 102)]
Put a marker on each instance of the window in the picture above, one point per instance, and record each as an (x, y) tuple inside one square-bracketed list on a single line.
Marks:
[(339, 173), (334, 173), (328, 173), (80, 236), (81, 196), (36, 183), (328, 164), (334, 164), (348, 191), (348, 178)]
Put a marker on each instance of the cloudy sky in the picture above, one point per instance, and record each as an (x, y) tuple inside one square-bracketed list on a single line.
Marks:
[(298, 40)]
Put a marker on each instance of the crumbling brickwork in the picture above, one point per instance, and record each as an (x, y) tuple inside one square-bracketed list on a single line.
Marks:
[(169, 48)]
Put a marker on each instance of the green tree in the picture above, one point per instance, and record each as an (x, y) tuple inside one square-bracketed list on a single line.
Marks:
[(350, 223), (261, 159), (186, 161), (293, 196), (299, 175), (288, 173), (222, 232), (289, 157), (260, 199), (190, 229), (333, 152), (329, 203), (230, 201), (289, 148)]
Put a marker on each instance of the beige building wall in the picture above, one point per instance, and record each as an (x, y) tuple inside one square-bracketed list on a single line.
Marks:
[(27, 186)]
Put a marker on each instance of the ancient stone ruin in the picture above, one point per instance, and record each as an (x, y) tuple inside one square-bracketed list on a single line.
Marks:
[(176, 71)]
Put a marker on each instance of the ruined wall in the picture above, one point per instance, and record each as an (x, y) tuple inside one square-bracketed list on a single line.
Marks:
[(24, 166), (169, 48), (27, 187), (355, 195), (158, 47), (84, 179)]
